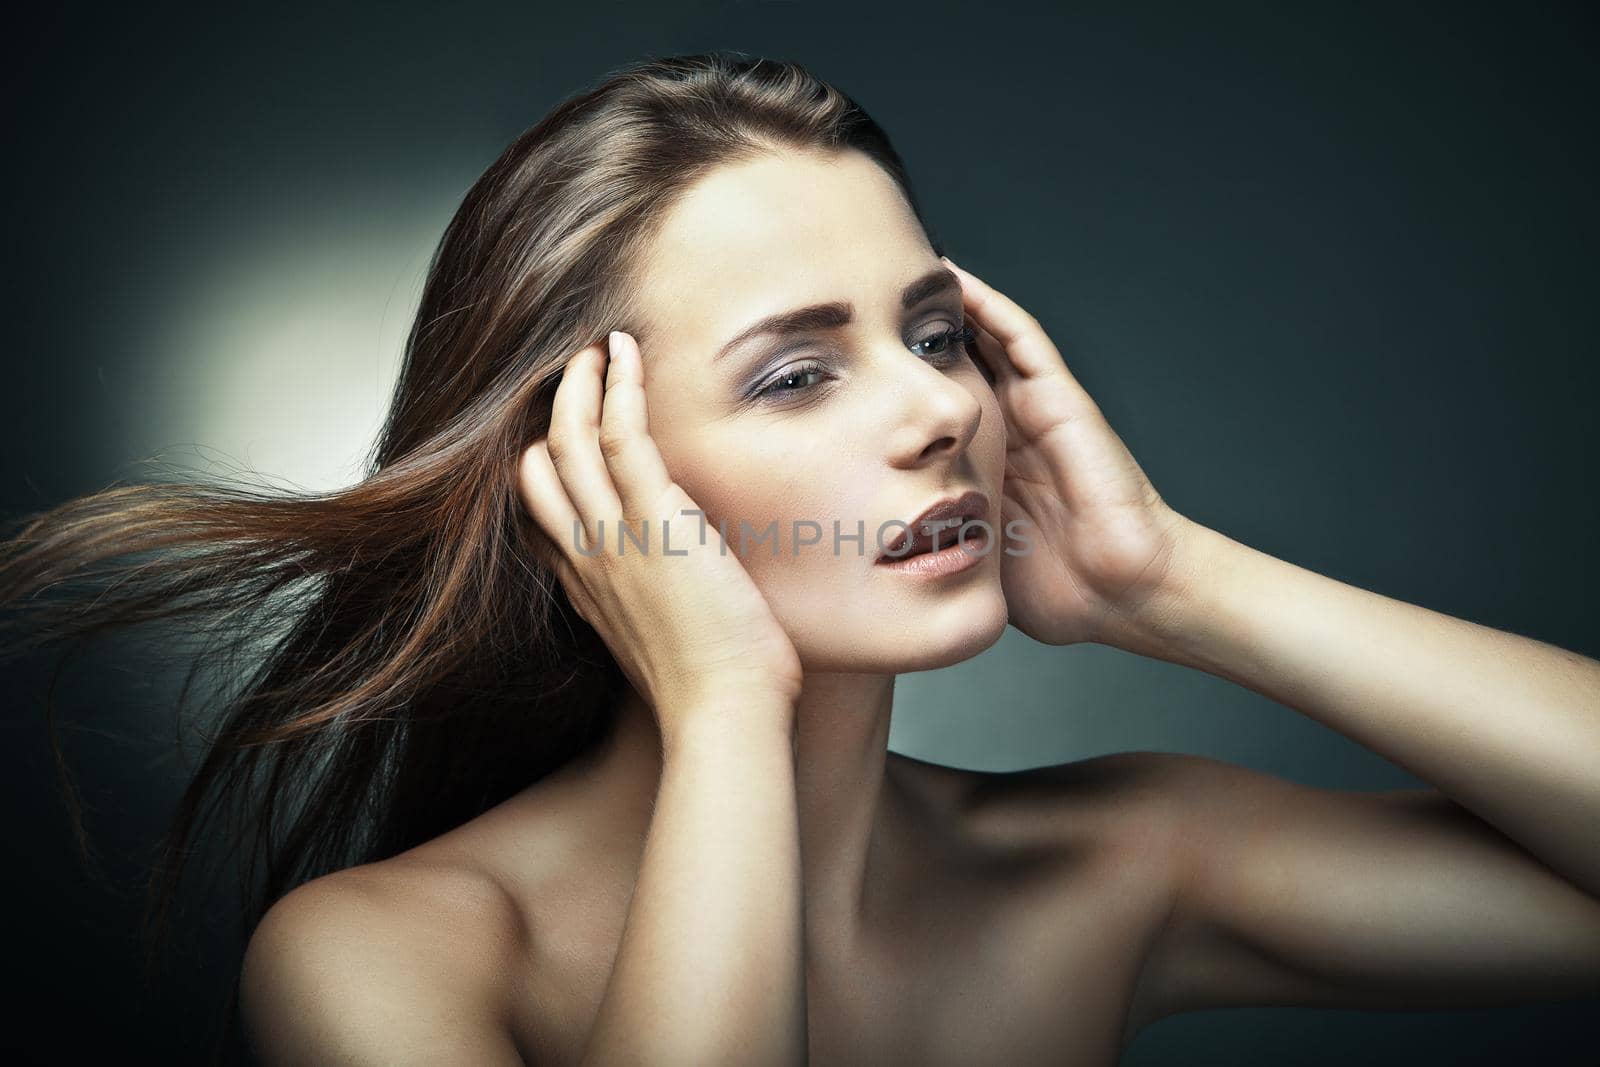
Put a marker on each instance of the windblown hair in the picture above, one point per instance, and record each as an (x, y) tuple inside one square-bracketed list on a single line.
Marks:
[(411, 663)]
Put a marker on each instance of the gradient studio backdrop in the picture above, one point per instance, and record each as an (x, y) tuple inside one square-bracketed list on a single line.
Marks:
[(1328, 271)]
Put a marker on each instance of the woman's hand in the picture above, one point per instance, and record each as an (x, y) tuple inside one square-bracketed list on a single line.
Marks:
[(688, 628), (1103, 539)]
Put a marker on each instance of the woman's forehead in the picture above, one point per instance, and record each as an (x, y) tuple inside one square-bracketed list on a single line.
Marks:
[(762, 237)]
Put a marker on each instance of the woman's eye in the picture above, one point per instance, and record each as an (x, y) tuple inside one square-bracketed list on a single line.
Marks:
[(785, 382), (949, 342)]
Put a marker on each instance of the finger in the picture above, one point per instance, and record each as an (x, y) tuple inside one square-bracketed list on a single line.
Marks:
[(1027, 347), (574, 441), (553, 513), (993, 356), (569, 583), (572, 585), (1072, 402), (637, 469), (546, 500)]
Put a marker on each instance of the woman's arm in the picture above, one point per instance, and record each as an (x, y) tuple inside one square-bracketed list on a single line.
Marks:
[(1485, 890), (710, 968), (1507, 726), (1481, 892)]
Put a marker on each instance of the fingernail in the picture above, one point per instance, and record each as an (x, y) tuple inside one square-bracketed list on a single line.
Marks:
[(612, 344), (951, 263)]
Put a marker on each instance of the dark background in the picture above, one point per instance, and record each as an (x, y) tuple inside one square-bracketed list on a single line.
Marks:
[(1328, 269)]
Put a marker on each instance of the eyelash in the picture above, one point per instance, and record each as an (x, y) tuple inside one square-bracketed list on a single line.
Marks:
[(956, 339)]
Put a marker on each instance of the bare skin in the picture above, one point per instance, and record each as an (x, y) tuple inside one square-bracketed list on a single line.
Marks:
[(1016, 918), (748, 876), (999, 921)]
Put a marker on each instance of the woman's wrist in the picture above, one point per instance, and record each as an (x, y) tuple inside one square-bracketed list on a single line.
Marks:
[(1158, 625), (726, 717)]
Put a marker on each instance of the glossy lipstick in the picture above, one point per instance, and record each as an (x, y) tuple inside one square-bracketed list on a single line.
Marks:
[(952, 560), (938, 540)]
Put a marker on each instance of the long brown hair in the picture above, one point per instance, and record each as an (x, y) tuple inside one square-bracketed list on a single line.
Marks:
[(412, 662)]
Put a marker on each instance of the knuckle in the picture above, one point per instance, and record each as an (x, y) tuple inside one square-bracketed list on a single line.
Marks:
[(613, 444)]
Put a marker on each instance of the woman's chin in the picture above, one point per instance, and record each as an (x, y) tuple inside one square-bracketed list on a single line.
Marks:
[(957, 632)]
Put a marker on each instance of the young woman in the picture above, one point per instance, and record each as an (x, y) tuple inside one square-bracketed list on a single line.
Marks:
[(553, 766)]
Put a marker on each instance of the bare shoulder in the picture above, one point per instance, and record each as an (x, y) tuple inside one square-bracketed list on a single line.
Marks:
[(1126, 795), (394, 962), (1122, 831), (1113, 825), (1121, 796), (1092, 855)]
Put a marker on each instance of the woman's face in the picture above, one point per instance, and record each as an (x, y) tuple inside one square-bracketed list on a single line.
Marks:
[(864, 422)]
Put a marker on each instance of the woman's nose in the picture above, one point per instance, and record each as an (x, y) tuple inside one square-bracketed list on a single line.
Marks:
[(937, 417)]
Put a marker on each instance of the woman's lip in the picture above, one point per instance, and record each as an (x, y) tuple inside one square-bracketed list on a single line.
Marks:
[(966, 507), (958, 556)]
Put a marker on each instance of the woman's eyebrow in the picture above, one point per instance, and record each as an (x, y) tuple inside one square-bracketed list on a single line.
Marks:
[(838, 313)]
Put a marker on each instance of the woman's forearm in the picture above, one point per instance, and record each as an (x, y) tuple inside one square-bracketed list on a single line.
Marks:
[(1507, 726), (710, 966)]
